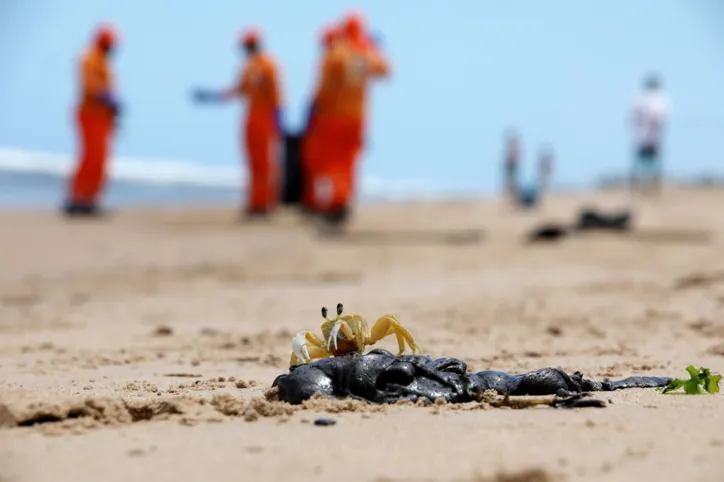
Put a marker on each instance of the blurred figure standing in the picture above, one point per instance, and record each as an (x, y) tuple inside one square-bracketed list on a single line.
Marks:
[(545, 169), (259, 84), (310, 142), (650, 115), (96, 113), (511, 164), (346, 71)]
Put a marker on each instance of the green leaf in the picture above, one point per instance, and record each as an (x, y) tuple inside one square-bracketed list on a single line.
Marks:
[(712, 384), (691, 387), (701, 378)]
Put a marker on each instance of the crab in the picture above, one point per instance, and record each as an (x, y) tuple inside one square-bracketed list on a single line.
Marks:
[(347, 334)]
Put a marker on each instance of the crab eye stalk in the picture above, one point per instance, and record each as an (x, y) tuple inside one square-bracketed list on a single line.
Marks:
[(324, 311), (339, 309)]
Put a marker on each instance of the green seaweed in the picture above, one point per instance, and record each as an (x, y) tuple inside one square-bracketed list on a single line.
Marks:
[(701, 381)]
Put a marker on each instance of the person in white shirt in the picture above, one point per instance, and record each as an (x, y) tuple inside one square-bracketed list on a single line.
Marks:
[(651, 112)]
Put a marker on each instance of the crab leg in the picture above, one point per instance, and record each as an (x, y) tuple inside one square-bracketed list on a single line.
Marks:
[(389, 325), (306, 346)]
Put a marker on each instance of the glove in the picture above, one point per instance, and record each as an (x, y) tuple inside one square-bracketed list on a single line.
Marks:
[(110, 101), (203, 95), (279, 120)]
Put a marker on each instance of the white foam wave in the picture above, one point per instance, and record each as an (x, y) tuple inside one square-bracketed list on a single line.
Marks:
[(179, 172)]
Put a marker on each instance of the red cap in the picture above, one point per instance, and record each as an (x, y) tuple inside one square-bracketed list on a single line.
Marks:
[(353, 26), (250, 36), (106, 36)]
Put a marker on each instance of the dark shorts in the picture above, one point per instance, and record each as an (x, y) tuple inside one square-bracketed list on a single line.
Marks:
[(647, 155)]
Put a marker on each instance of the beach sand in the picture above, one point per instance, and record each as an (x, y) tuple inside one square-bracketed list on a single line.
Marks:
[(142, 347)]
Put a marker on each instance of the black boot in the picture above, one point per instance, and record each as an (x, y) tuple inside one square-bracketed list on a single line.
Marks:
[(339, 216), (333, 222), (73, 209)]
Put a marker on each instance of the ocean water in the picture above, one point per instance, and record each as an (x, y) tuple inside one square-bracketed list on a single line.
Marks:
[(39, 180), (30, 179), (41, 190)]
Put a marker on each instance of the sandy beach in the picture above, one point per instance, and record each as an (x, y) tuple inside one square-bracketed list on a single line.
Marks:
[(143, 347)]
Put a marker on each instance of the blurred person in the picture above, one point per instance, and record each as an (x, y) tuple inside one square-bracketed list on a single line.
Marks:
[(346, 71), (96, 114), (329, 36), (545, 168), (259, 84), (650, 116), (511, 164)]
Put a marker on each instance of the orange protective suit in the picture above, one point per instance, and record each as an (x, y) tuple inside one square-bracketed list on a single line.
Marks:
[(259, 84), (347, 69), (311, 142), (94, 120)]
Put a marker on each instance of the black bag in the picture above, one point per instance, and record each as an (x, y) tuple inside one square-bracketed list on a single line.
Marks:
[(291, 170), (589, 219)]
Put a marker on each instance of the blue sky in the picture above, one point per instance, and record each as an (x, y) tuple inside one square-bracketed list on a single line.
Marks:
[(562, 72)]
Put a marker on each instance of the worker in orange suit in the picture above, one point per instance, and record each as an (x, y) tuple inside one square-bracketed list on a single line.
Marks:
[(96, 112), (371, 45), (346, 72), (258, 84), (330, 33)]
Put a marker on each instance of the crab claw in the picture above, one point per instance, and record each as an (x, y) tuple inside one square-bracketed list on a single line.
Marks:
[(334, 335), (299, 347)]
